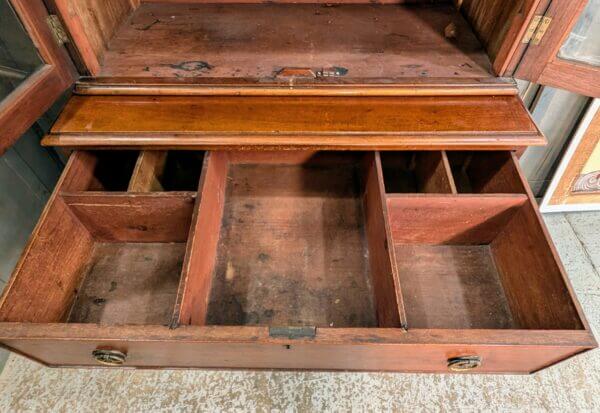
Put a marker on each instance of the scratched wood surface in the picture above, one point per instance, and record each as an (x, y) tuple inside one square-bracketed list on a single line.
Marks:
[(129, 283), (258, 40)]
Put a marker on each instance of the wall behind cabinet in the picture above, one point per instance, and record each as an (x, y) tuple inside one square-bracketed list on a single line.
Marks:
[(557, 113)]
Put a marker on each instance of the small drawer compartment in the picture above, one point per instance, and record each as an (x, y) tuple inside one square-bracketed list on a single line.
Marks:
[(166, 171), (105, 171), (480, 172), (417, 172), (472, 253), (135, 171)]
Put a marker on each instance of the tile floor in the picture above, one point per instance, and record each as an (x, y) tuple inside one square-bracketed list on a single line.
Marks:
[(570, 386)]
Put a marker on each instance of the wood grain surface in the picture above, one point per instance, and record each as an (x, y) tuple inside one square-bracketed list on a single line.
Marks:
[(286, 122), (129, 283), (259, 40)]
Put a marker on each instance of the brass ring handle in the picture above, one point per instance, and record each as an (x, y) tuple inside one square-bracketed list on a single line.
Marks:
[(464, 363), (109, 357)]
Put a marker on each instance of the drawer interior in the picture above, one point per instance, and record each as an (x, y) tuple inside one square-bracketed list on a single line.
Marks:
[(111, 245), (421, 240), (346, 40), (468, 245), (449, 275), (291, 245), (292, 248)]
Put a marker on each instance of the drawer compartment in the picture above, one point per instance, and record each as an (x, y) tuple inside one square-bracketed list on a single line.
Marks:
[(459, 265), (293, 259), (108, 256), (293, 247), (286, 241)]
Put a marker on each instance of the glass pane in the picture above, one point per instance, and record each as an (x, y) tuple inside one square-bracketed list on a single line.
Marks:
[(18, 56), (583, 43)]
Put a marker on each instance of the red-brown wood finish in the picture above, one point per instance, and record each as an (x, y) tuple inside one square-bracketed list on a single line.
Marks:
[(332, 349), (33, 314), (222, 122)]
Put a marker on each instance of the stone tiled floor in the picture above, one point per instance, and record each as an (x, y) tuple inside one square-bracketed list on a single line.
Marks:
[(570, 386)]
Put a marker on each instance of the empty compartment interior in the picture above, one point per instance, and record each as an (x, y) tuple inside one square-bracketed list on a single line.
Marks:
[(102, 171), (157, 171), (485, 172), (291, 244), (175, 39), (416, 171), (477, 262), (129, 283), (100, 257)]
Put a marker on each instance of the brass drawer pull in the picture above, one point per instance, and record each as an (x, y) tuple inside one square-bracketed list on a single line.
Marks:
[(464, 363), (109, 357)]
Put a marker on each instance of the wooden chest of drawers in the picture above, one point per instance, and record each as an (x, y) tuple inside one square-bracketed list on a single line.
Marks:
[(318, 187)]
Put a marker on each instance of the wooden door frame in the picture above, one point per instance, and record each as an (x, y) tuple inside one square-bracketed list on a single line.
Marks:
[(541, 64), (38, 92)]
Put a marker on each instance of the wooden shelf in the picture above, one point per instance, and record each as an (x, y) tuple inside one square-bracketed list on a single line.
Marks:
[(259, 40)]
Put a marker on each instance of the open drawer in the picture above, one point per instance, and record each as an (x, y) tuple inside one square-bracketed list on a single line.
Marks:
[(395, 261)]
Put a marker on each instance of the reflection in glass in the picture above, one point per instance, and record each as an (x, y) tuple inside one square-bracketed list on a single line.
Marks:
[(18, 56), (583, 43)]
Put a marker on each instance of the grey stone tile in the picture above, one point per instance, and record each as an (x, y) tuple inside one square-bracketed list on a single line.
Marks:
[(576, 260), (3, 358), (587, 228)]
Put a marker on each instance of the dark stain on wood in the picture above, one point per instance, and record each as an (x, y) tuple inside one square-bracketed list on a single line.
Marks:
[(147, 276), (192, 66)]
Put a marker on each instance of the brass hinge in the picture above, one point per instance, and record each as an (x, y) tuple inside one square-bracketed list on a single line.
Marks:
[(57, 29), (536, 29)]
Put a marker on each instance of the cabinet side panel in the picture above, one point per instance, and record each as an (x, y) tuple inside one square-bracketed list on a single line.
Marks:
[(92, 24), (500, 26)]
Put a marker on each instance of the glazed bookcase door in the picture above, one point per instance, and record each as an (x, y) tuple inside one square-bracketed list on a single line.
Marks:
[(35, 69), (564, 49)]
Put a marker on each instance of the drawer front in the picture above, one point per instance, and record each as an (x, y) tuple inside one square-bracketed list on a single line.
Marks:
[(400, 357), (391, 261), (301, 122)]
